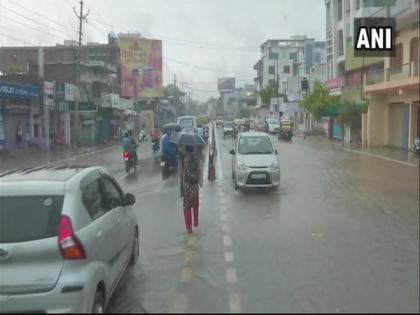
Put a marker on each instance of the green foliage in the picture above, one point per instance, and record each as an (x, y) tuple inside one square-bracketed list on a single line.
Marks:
[(245, 113), (319, 102), (266, 94)]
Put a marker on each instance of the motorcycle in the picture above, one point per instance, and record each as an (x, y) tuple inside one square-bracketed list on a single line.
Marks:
[(155, 145), (129, 161), (167, 168)]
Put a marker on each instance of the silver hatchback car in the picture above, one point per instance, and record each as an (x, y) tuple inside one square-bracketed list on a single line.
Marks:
[(254, 161), (67, 234)]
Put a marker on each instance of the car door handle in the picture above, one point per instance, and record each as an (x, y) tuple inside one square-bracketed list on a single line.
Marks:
[(99, 235), (118, 220)]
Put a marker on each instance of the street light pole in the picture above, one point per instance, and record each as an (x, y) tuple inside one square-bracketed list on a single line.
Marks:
[(81, 18)]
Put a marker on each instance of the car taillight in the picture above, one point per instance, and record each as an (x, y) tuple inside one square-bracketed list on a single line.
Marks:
[(70, 246), (126, 154)]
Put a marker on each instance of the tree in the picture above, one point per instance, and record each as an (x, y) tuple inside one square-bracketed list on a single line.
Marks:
[(172, 92), (245, 113), (319, 102), (266, 94), (269, 92), (351, 113)]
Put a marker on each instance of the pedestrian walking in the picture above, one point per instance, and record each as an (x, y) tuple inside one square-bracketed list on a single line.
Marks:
[(191, 180), (19, 133)]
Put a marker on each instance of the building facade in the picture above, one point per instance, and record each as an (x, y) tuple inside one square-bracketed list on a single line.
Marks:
[(393, 117)]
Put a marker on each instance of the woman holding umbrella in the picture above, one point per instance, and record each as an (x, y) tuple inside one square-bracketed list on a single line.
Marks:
[(191, 180)]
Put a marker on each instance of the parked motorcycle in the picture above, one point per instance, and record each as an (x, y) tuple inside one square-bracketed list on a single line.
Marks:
[(129, 161)]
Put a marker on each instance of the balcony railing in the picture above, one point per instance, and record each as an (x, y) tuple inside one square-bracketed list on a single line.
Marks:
[(396, 73), (375, 76), (415, 65), (400, 72)]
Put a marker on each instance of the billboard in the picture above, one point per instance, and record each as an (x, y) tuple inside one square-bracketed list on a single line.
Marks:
[(225, 84), (141, 67)]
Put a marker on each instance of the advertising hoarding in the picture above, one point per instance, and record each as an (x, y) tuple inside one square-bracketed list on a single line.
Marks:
[(141, 67)]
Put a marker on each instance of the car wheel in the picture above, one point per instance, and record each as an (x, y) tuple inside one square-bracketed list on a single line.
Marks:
[(135, 251), (98, 303)]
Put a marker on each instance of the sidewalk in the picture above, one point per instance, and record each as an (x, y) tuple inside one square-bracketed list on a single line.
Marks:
[(391, 154), (34, 156)]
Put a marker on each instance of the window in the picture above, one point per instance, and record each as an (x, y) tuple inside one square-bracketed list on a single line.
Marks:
[(340, 9), (274, 56), (293, 56), (92, 199), (255, 145), (28, 218), (286, 69), (357, 4), (112, 194), (317, 57), (271, 69), (340, 43)]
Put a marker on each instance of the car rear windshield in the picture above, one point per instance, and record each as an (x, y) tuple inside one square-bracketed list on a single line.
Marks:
[(186, 123), (29, 218), (255, 145), (228, 124)]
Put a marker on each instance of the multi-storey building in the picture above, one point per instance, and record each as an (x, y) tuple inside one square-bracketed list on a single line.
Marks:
[(344, 71)]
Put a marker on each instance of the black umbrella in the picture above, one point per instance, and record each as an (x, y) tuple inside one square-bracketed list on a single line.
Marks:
[(189, 139)]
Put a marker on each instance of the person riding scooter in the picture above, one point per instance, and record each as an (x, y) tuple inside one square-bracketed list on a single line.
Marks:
[(169, 150), (155, 136), (133, 147)]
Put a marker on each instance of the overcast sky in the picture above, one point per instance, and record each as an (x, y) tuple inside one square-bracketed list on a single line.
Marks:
[(202, 39)]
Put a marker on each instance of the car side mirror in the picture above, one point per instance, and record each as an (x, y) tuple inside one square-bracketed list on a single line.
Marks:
[(232, 152), (129, 199), (276, 151)]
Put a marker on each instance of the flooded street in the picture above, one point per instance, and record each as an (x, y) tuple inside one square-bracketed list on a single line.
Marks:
[(340, 235)]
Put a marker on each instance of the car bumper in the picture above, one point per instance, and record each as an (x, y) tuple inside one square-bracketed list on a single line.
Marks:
[(49, 302), (244, 178), (73, 293)]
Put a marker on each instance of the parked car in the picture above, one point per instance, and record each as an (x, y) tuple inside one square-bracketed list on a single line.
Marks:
[(67, 235), (273, 126), (254, 161), (227, 128)]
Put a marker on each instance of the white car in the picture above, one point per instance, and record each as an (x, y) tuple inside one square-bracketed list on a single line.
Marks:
[(254, 161), (67, 235), (273, 126)]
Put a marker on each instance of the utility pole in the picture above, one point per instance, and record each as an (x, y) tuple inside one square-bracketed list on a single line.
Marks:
[(81, 18)]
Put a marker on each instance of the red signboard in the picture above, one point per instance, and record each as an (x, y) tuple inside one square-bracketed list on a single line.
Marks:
[(335, 83)]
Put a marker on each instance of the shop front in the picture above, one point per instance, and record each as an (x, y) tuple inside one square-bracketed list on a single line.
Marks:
[(88, 113), (15, 114)]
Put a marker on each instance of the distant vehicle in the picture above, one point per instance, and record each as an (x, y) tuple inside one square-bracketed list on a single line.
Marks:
[(273, 126), (254, 161), (202, 120), (286, 130), (142, 135), (219, 121), (187, 123), (67, 236), (227, 128), (252, 126)]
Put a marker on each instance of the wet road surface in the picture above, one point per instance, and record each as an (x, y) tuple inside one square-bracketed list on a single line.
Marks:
[(340, 235)]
